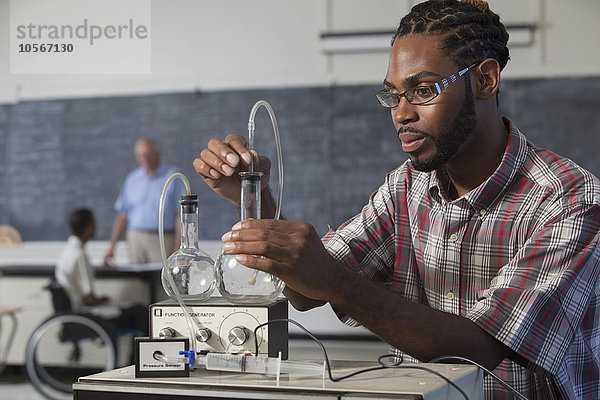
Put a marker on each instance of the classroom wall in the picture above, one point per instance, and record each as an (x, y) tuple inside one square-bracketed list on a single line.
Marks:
[(67, 141), (201, 45)]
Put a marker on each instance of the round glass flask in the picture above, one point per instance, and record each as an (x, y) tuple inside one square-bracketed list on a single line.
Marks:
[(237, 283), (192, 269)]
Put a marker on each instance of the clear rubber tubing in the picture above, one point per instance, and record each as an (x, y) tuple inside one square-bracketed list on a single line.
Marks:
[(158, 356), (163, 252), (251, 127)]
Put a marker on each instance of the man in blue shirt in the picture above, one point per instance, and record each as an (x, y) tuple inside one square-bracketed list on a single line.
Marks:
[(138, 203)]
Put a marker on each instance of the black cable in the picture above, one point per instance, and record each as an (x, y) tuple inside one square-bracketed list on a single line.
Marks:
[(487, 371), (379, 359), (417, 366), (313, 337)]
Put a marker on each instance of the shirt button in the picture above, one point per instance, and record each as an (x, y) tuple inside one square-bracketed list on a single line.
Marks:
[(450, 295), (454, 237), (482, 212)]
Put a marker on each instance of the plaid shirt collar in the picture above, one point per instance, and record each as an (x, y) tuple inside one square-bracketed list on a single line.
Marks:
[(485, 195)]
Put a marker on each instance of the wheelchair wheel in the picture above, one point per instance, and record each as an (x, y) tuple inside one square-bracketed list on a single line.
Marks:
[(64, 348)]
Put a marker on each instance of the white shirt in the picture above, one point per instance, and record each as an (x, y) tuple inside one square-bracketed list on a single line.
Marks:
[(74, 272)]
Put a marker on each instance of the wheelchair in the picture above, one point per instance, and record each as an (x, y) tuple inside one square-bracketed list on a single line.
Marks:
[(69, 345)]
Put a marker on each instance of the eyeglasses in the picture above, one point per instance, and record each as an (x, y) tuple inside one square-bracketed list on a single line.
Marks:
[(420, 94)]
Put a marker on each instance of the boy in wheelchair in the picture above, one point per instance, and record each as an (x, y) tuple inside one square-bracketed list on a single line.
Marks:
[(75, 275), (77, 341)]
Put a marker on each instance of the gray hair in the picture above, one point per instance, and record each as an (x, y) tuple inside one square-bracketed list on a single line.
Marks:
[(149, 141)]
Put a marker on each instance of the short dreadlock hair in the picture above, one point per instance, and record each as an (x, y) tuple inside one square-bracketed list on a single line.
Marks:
[(470, 31)]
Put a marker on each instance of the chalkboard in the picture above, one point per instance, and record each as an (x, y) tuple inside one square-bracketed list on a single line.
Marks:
[(338, 144)]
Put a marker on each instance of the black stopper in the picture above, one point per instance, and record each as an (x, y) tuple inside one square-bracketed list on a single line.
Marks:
[(188, 203)]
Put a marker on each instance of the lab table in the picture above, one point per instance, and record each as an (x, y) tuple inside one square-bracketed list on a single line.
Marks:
[(391, 383)]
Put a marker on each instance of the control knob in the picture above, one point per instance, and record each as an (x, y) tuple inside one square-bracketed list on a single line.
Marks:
[(238, 335), (202, 335), (166, 333)]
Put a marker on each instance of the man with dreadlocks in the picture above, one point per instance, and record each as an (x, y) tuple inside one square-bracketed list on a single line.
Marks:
[(481, 245)]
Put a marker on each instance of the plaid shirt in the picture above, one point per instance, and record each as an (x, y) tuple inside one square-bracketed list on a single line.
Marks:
[(517, 256)]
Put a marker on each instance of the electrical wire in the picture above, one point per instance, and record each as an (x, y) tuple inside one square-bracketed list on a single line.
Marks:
[(382, 365), (487, 371)]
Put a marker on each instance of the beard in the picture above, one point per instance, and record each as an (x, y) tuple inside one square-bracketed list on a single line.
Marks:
[(452, 137)]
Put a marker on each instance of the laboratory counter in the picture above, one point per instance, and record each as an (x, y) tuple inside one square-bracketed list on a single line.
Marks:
[(391, 383)]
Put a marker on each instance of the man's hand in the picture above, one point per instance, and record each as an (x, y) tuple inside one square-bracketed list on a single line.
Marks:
[(292, 251), (118, 229), (108, 261), (222, 161)]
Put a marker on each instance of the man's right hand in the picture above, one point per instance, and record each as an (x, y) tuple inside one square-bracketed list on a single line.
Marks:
[(222, 161)]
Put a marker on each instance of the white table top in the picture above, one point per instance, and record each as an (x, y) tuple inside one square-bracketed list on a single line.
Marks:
[(387, 382), (45, 253)]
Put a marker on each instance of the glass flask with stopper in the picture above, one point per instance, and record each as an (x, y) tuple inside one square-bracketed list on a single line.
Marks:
[(191, 270), (237, 283)]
